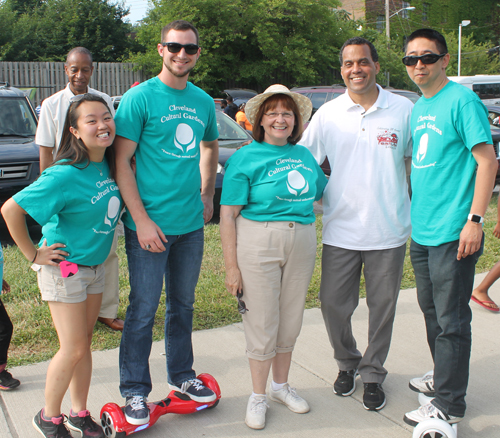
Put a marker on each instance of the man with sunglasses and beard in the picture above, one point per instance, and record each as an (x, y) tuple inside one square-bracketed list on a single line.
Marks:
[(453, 173), (169, 126)]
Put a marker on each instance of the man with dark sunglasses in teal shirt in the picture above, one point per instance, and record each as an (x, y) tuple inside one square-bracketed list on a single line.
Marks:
[(169, 126), (453, 173)]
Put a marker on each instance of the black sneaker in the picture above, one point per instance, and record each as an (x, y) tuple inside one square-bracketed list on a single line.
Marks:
[(196, 391), (346, 383), (373, 397), (7, 381), (53, 428), (85, 424), (136, 410)]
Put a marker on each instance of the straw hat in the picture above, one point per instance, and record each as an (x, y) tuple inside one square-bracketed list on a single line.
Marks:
[(253, 105)]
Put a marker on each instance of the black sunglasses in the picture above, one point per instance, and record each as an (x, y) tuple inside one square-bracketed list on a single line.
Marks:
[(242, 307), (429, 58), (191, 49)]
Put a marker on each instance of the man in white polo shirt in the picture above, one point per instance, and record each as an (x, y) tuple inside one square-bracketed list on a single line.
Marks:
[(78, 68), (366, 135)]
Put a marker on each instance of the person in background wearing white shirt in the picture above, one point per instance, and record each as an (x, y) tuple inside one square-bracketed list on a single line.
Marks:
[(78, 68), (365, 134)]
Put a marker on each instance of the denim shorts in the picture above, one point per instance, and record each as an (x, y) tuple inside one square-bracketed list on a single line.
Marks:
[(74, 289)]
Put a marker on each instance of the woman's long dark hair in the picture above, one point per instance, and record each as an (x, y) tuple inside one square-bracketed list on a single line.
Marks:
[(73, 149)]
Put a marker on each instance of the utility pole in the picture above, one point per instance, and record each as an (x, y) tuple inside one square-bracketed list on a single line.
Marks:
[(387, 34), (387, 26)]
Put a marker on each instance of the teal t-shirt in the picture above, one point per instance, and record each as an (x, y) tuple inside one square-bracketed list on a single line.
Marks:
[(76, 206), (445, 128), (168, 125), (273, 183)]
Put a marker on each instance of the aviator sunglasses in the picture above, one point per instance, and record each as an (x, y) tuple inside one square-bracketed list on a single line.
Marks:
[(242, 308), (429, 58), (191, 49)]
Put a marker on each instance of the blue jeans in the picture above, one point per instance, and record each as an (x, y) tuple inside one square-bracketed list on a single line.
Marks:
[(180, 266), (444, 289)]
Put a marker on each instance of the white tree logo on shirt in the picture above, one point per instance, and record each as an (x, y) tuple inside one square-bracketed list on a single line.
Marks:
[(184, 139), (422, 147), (297, 183), (113, 209)]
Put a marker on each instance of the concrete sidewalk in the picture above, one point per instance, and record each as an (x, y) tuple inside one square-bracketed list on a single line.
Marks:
[(221, 353)]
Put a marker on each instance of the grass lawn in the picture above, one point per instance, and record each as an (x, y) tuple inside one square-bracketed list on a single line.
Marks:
[(35, 339)]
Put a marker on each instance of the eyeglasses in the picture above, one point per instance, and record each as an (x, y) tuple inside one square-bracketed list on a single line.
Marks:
[(429, 58), (242, 307), (276, 115), (191, 49)]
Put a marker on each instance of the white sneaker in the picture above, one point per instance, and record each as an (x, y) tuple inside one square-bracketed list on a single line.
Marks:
[(256, 412), (427, 412), (424, 385), (288, 396)]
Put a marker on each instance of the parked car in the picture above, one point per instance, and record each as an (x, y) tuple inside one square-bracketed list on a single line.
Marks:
[(494, 114), (19, 155), (406, 93), (240, 95), (231, 137), (320, 94), (116, 101)]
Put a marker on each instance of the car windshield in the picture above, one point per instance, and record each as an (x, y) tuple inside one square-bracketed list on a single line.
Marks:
[(16, 118), (412, 96), (229, 129)]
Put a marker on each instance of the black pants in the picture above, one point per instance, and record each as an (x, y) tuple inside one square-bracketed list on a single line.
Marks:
[(6, 329)]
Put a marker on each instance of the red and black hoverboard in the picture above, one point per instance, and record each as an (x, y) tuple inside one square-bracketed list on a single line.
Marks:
[(113, 419)]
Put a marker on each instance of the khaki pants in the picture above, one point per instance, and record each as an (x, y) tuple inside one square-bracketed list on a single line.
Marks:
[(276, 260), (111, 295)]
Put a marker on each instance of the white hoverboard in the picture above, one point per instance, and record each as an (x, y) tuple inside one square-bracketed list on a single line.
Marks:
[(433, 428)]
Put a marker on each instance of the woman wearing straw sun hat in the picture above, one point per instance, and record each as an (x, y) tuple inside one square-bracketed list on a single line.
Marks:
[(269, 240)]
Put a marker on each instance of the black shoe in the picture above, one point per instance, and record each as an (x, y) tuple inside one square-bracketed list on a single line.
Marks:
[(86, 425), (373, 397), (346, 383), (53, 428), (196, 391), (7, 381)]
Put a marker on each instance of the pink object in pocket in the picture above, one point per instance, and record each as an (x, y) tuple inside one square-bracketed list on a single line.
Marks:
[(68, 269)]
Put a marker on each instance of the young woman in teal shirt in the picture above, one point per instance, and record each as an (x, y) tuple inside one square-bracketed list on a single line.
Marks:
[(77, 202)]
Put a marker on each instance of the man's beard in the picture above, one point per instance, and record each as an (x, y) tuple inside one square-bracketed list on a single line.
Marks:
[(177, 74)]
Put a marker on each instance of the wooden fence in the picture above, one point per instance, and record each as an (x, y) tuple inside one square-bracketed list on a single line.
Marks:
[(112, 78)]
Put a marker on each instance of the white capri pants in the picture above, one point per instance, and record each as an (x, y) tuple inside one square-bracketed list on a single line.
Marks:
[(276, 260)]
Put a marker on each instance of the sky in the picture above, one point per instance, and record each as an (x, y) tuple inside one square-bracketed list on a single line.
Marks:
[(138, 9)]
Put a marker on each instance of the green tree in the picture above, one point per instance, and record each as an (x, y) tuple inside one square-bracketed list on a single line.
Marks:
[(253, 42), (475, 59), (51, 29)]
